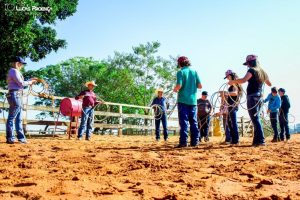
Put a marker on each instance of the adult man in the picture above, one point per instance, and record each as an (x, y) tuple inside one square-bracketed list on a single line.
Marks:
[(89, 101), (187, 84), (160, 106)]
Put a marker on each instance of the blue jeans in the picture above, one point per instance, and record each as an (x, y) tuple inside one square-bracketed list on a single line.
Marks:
[(233, 126), (253, 105), (14, 113), (226, 128), (284, 126), (86, 124), (203, 122), (187, 114), (274, 120), (163, 119)]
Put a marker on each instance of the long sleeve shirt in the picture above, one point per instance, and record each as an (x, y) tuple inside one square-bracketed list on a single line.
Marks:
[(89, 98), (162, 102), (285, 105), (274, 103), (15, 80)]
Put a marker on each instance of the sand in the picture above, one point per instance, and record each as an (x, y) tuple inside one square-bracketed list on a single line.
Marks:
[(138, 167)]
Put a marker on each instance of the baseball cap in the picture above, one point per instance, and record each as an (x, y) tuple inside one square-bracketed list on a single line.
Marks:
[(227, 73), (250, 58), (19, 59)]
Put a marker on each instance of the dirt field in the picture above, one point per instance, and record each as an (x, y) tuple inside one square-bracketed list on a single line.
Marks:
[(137, 167)]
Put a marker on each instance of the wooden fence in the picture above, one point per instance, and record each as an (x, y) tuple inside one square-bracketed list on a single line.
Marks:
[(147, 126)]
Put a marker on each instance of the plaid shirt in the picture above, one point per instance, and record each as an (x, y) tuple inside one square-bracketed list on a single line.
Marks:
[(89, 98)]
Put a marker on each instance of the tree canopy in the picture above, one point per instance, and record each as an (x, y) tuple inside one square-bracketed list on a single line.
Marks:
[(26, 29), (124, 78)]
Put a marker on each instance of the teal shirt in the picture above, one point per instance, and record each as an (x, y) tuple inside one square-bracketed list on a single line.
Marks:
[(189, 80)]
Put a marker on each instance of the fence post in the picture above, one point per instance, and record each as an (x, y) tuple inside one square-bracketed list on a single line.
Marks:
[(242, 122), (120, 121), (152, 121)]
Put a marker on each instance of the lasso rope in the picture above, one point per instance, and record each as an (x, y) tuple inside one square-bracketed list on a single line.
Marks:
[(224, 102)]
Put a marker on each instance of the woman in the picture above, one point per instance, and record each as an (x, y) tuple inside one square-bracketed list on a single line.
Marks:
[(232, 98), (256, 77), (16, 84)]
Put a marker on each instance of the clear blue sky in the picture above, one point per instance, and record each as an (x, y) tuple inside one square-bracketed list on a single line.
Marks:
[(215, 34)]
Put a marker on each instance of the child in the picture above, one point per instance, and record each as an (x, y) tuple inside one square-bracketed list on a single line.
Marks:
[(283, 115), (232, 100), (204, 112), (87, 116), (160, 110), (273, 108)]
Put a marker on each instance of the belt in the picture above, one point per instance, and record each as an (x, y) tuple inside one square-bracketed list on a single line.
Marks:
[(15, 90), (88, 106), (258, 94)]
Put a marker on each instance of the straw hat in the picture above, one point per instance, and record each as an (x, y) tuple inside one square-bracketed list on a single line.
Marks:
[(90, 83), (159, 90)]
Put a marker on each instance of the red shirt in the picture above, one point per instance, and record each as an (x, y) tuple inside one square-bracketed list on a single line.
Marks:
[(89, 98)]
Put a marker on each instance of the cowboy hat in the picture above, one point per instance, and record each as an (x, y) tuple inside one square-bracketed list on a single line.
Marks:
[(159, 90), (90, 83)]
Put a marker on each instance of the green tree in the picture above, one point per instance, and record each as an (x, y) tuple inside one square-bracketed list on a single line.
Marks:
[(129, 78), (148, 69), (29, 33)]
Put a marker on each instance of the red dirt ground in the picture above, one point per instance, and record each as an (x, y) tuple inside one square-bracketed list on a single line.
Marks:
[(137, 167)]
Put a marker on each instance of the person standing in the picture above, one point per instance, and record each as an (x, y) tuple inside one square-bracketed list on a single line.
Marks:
[(232, 99), (16, 83), (204, 112), (273, 108), (283, 115), (187, 84), (87, 115), (160, 107), (256, 78)]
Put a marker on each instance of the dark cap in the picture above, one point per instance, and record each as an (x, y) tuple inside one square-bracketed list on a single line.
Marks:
[(281, 90), (19, 59), (274, 90), (204, 93)]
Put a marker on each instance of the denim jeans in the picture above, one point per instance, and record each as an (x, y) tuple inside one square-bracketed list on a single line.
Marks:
[(163, 119), (284, 126), (203, 122), (14, 113), (187, 114), (226, 128), (233, 126), (253, 105), (274, 120), (86, 124)]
